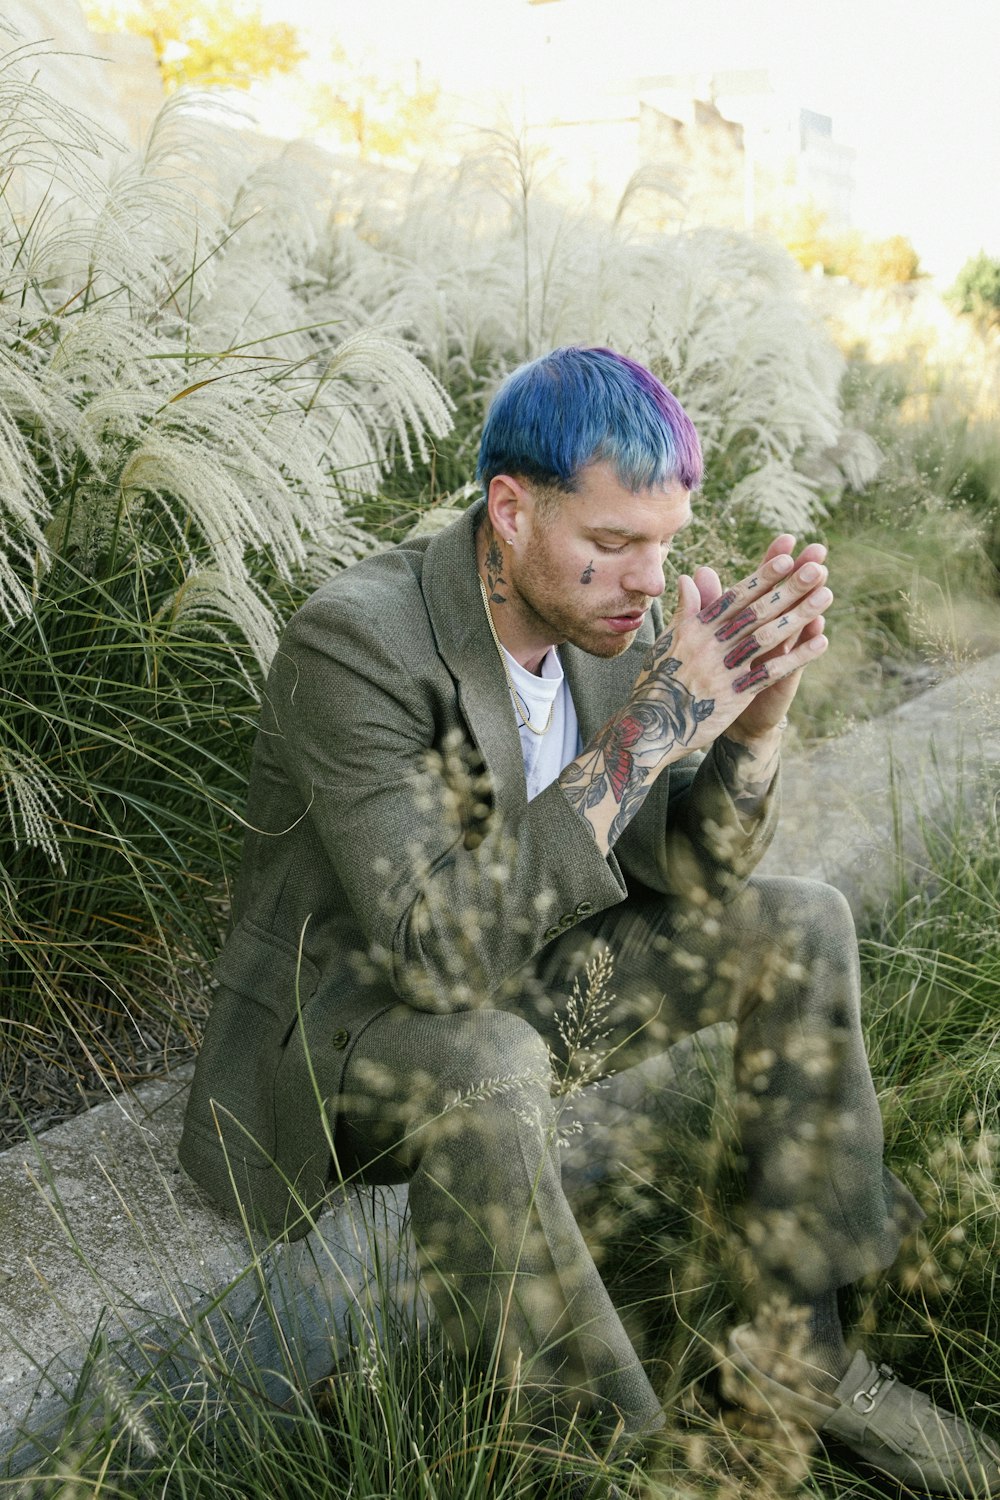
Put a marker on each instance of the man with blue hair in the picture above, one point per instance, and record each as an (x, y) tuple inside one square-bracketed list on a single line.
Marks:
[(485, 760)]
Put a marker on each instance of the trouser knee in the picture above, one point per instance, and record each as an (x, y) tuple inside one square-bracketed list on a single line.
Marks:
[(812, 958), (489, 1045), (493, 1071), (818, 912)]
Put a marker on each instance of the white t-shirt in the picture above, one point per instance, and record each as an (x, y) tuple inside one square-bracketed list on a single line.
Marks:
[(545, 754)]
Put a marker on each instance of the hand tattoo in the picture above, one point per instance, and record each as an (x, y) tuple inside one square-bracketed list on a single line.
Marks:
[(741, 652), (733, 627), (587, 573), (759, 673), (713, 611)]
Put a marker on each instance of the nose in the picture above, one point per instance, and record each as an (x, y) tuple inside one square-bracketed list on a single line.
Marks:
[(644, 573)]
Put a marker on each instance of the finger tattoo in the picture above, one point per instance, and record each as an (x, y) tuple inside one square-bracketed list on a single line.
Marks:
[(775, 597), (750, 679), (735, 625), (713, 611), (738, 654)]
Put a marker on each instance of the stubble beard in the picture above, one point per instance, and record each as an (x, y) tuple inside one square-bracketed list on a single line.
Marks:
[(544, 612)]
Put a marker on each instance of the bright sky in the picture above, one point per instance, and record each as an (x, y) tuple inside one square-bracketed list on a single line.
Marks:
[(911, 85)]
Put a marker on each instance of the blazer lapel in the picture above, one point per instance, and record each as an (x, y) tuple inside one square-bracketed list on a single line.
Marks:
[(599, 685), (450, 583)]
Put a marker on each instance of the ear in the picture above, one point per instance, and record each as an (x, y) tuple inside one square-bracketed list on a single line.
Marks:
[(508, 504)]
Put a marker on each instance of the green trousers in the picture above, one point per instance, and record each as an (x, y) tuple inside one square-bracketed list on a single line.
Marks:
[(462, 1106)]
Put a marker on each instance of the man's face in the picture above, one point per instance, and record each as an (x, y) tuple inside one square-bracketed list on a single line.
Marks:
[(586, 568)]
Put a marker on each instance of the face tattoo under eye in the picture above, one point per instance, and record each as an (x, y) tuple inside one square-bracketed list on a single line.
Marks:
[(587, 573)]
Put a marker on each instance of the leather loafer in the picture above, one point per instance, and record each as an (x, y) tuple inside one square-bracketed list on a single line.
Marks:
[(887, 1424)]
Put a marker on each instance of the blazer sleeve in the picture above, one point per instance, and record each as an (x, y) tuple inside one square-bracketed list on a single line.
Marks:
[(708, 844), (451, 899)]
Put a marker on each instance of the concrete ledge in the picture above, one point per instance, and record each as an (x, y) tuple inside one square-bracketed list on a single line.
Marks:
[(114, 1262), (104, 1232), (855, 811)]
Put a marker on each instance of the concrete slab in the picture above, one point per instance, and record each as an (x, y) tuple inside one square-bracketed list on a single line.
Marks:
[(855, 811), (102, 1230), (110, 1254)]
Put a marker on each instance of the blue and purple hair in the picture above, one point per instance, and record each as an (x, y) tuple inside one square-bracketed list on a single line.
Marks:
[(574, 407)]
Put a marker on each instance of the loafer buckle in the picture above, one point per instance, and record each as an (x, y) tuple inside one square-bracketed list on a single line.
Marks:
[(865, 1400)]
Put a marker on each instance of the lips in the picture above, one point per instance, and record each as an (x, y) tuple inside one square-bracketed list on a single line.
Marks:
[(623, 623)]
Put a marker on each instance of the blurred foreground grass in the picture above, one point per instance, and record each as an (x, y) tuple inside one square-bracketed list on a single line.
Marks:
[(400, 1417)]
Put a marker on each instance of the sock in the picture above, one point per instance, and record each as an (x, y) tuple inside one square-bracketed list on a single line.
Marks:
[(801, 1344), (826, 1338)]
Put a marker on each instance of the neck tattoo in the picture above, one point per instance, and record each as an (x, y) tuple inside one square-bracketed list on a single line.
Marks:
[(519, 703), (494, 570)]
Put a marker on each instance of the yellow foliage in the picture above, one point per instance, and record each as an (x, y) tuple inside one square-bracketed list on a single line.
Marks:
[(803, 236), (226, 45), (848, 252), (380, 118)]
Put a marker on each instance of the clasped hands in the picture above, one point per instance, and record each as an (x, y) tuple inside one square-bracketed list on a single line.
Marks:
[(745, 648)]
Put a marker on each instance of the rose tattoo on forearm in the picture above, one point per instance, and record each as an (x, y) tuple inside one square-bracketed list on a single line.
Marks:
[(667, 714)]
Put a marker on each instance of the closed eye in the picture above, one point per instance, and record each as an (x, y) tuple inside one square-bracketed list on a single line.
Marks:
[(664, 547)]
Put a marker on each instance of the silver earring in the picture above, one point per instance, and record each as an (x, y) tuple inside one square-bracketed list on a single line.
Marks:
[(508, 541)]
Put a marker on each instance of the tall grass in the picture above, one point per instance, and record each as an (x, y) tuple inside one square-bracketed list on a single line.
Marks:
[(209, 398), (485, 273), (915, 552), (183, 415), (933, 966)]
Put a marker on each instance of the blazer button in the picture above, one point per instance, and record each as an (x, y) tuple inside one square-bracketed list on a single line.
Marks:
[(550, 933), (585, 909), (340, 1039)]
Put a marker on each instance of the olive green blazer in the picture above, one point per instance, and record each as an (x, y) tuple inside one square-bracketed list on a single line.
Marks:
[(391, 855)]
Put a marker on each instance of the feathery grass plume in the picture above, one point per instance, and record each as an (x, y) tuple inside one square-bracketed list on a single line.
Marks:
[(21, 509), (583, 1024), (251, 440), (31, 799), (182, 419), (38, 135), (204, 596), (485, 272)]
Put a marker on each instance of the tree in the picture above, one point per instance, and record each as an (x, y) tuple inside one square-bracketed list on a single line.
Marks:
[(977, 289), (848, 252), (378, 117), (228, 44)]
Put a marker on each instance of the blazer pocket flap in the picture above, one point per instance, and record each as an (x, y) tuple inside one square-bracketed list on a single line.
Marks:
[(266, 969)]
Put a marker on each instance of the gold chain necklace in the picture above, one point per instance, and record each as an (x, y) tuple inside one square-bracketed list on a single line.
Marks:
[(519, 702)]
